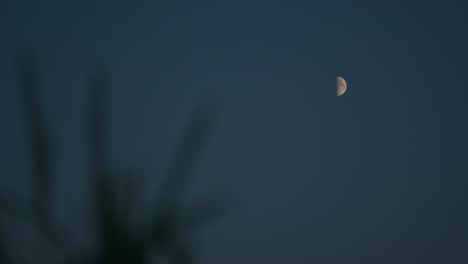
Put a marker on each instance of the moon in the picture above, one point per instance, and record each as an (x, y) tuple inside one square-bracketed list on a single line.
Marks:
[(340, 86)]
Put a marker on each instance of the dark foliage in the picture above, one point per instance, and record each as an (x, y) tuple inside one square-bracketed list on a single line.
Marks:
[(123, 238)]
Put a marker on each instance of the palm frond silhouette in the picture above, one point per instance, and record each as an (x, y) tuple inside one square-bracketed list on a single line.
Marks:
[(123, 238)]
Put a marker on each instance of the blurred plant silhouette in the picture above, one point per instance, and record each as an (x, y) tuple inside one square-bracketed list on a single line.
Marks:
[(123, 237)]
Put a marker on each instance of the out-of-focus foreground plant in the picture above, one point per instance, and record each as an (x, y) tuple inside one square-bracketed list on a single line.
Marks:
[(122, 237)]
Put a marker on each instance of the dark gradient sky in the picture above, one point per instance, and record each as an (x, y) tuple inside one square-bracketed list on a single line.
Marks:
[(377, 175)]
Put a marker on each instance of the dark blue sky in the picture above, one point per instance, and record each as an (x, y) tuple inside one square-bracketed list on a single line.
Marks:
[(377, 175)]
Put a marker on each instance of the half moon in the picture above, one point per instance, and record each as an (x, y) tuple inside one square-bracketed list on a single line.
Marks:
[(340, 86)]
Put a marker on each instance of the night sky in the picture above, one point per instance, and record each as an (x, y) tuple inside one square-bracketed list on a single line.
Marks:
[(377, 175)]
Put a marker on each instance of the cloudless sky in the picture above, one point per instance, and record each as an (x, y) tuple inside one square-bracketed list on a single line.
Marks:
[(377, 175)]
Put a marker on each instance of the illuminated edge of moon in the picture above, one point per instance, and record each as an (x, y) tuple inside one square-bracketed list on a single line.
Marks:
[(338, 91)]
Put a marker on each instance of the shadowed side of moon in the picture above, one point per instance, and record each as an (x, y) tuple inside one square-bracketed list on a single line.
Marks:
[(340, 86)]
